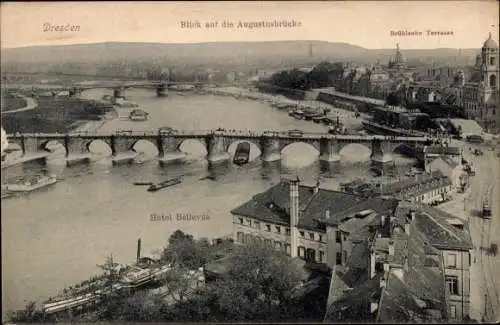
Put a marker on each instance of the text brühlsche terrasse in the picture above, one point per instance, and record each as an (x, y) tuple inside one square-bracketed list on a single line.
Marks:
[(196, 24)]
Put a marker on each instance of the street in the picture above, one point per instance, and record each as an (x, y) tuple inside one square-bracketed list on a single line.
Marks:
[(485, 282)]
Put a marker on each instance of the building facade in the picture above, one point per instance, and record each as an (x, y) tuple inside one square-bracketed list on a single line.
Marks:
[(480, 95)]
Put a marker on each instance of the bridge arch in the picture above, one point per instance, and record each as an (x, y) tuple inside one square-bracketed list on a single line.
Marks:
[(100, 147), (192, 147), (146, 147), (255, 150), (299, 153), (355, 152), (53, 146)]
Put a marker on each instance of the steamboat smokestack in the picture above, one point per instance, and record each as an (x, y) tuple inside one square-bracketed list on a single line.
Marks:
[(138, 250)]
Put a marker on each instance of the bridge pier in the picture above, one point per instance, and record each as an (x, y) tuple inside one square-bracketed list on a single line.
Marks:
[(270, 148), (381, 151), (161, 90), (77, 150), (121, 150), (216, 149), (168, 150), (119, 93), (329, 150)]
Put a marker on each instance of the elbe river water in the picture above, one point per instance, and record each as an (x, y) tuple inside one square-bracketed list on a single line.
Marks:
[(56, 236)]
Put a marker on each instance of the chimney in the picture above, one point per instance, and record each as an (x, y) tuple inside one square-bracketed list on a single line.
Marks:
[(138, 250), (382, 220), (327, 215), (316, 188), (372, 263), (391, 248), (294, 215), (407, 228), (412, 215), (373, 306), (382, 282)]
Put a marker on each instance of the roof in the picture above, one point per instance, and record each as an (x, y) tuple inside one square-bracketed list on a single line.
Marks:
[(490, 43), (415, 291), (273, 205), (418, 184), (447, 160), (467, 126), (435, 224), (442, 150)]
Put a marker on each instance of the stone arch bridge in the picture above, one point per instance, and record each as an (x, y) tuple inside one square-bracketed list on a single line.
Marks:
[(217, 143)]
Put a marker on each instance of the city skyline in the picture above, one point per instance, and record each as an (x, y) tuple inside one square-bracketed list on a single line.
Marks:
[(467, 25)]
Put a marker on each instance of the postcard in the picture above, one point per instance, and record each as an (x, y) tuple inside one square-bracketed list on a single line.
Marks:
[(315, 161)]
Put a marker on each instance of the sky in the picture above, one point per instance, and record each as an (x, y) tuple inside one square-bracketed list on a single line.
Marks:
[(364, 23)]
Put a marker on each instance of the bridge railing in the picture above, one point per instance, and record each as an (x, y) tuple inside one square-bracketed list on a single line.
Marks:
[(228, 133)]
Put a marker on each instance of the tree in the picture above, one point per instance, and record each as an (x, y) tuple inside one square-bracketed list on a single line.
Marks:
[(393, 99), (183, 251), (29, 314), (259, 284)]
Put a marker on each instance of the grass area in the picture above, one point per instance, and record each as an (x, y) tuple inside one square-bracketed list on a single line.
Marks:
[(10, 102), (54, 115)]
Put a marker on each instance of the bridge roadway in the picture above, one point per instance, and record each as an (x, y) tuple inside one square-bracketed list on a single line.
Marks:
[(217, 143)]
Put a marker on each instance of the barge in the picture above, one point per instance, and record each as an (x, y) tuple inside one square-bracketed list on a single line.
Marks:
[(242, 154), (164, 184), (28, 184)]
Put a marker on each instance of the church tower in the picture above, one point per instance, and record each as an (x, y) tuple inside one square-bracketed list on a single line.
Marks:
[(489, 83)]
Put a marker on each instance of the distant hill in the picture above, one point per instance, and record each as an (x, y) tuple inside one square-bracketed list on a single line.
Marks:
[(219, 52)]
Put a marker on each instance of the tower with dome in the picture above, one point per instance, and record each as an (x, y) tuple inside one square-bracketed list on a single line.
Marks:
[(481, 92)]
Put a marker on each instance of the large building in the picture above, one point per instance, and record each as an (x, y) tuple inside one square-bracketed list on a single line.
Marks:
[(414, 267), (480, 95), (419, 256)]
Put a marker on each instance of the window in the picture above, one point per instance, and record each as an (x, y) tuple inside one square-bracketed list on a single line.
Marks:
[(256, 224), (493, 81), (301, 251), (249, 222), (320, 239), (452, 284), (470, 259), (248, 239), (239, 237), (240, 220), (310, 255), (311, 236), (345, 257), (278, 229), (287, 231), (302, 234), (453, 311), (338, 258), (451, 260), (277, 245), (492, 60), (268, 241), (338, 237), (268, 227), (321, 256)]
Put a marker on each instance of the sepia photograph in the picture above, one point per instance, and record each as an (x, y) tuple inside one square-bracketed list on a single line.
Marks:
[(250, 161)]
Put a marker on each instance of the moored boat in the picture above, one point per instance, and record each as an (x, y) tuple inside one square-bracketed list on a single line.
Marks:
[(28, 184), (142, 183), (164, 184), (242, 153)]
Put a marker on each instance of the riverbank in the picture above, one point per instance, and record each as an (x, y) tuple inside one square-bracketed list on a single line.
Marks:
[(346, 117), (54, 115)]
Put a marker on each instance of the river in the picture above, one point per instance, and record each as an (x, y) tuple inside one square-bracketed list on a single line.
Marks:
[(56, 236)]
